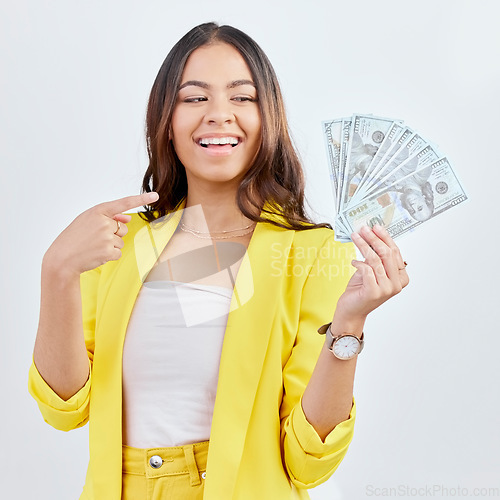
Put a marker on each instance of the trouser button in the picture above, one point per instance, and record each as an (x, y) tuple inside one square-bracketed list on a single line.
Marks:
[(156, 461)]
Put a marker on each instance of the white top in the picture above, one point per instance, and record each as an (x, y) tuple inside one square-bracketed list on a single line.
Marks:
[(171, 361)]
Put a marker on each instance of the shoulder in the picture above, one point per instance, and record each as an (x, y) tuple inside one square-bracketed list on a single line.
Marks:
[(329, 249), (314, 237), (318, 238), (310, 245)]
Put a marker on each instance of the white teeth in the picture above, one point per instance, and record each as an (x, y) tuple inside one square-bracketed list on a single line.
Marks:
[(218, 140)]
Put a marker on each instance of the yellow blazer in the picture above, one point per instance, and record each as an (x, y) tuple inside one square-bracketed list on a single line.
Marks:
[(261, 445)]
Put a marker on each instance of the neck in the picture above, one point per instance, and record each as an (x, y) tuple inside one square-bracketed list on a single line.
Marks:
[(213, 212)]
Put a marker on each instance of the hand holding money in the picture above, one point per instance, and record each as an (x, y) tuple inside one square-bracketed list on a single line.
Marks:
[(381, 276)]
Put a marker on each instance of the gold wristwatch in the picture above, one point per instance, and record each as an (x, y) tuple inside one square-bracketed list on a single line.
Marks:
[(345, 346)]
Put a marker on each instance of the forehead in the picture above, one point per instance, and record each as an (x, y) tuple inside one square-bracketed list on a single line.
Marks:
[(218, 62)]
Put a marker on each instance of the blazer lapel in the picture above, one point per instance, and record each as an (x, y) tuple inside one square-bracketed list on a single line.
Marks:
[(244, 349)]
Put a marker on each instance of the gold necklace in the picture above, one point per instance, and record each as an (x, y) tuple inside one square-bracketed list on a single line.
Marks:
[(199, 234)]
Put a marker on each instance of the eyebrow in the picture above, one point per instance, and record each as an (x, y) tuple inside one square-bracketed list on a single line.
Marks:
[(204, 85)]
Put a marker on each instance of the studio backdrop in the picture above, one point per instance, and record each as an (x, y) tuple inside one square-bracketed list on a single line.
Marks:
[(74, 82)]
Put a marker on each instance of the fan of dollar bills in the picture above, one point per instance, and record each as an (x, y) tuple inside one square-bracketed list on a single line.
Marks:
[(384, 172)]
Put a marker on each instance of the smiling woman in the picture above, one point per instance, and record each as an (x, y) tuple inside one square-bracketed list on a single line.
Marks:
[(198, 362), (219, 69)]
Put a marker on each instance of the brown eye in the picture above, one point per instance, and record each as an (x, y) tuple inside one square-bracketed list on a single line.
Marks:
[(244, 99), (194, 99)]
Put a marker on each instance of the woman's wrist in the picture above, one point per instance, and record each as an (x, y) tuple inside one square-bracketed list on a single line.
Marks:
[(342, 324), (54, 268)]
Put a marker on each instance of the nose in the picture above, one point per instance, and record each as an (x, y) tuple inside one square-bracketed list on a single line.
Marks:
[(219, 111)]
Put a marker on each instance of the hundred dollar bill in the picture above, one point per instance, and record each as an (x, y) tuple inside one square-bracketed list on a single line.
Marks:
[(342, 230), (344, 146), (393, 135), (411, 146), (418, 160), (332, 131), (396, 145), (411, 201), (365, 137)]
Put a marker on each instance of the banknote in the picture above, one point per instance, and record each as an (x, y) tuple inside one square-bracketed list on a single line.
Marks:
[(393, 135), (365, 137), (333, 134), (411, 201), (385, 172), (344, 147), (391, 153), (423, 156)]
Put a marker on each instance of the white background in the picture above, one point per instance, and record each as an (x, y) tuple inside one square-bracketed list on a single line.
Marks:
[(74, 79)]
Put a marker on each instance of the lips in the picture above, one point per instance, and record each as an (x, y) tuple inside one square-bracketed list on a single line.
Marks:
[(214, 141)]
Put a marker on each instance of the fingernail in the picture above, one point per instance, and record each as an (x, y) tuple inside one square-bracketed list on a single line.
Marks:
[(152, 196)]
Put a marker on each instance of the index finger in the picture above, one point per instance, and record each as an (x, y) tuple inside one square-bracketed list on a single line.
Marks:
[(111, 208), (384, 235)]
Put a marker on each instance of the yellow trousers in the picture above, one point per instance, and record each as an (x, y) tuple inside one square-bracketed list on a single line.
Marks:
[(164, 473)]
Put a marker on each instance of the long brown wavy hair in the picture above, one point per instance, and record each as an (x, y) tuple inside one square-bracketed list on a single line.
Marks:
[(276, 175)]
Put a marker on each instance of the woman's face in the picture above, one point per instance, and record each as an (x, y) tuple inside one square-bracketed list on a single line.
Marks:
[(216, 124)]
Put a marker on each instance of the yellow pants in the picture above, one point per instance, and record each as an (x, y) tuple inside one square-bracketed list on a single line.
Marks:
[(164, 473)]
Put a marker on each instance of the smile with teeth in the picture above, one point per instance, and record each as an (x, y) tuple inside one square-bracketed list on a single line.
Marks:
[(220, 141)]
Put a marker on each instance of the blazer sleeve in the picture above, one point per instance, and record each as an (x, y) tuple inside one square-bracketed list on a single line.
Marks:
[(309, 461), (74, 412)]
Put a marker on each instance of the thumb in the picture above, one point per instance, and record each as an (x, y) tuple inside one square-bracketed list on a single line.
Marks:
[(125, 218)]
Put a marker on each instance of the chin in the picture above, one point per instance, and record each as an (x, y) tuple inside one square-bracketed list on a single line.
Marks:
[(218, 175), (222, 178)]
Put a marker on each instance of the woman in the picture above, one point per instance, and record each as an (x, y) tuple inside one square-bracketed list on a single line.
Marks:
[(200, 368)]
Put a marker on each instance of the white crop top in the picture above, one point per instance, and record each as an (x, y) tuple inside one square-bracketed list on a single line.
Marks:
[(171, 361)]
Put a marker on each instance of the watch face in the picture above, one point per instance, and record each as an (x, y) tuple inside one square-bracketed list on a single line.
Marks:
[(346, 347)]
